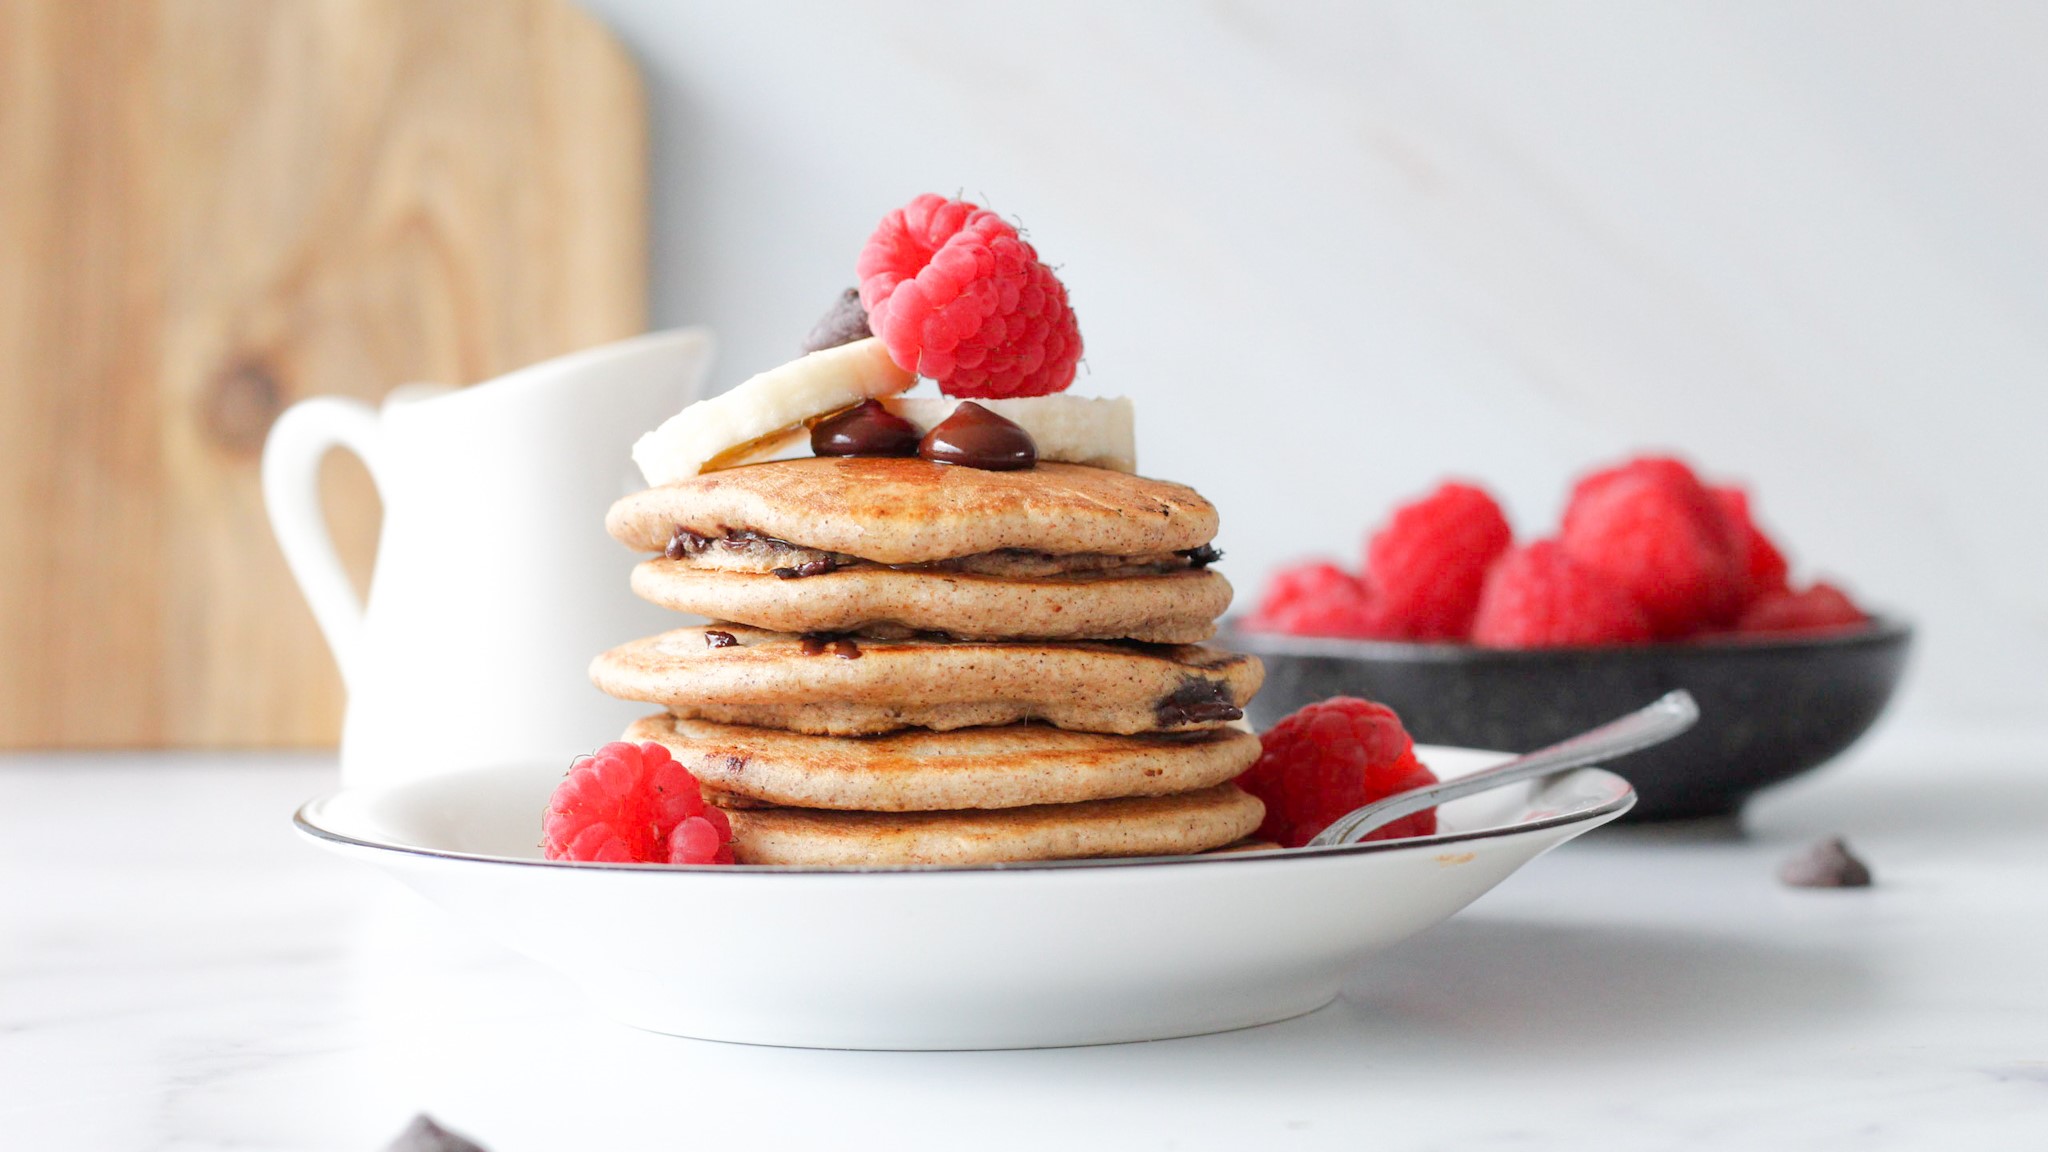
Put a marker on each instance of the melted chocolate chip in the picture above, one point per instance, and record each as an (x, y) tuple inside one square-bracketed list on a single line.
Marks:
[(1825, 864), (713, 638), (808, 568), (1202, 557), (975, 437), (819, 643), (866, 429), (1197, 701), (844, 323), (685, 543)]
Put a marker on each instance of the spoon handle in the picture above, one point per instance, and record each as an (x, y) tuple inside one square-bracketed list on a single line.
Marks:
[(1667, 717)]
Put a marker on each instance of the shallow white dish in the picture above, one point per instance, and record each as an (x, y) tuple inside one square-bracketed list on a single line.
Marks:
[(1012, 956)]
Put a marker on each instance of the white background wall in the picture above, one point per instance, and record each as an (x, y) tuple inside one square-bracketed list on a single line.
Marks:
[(1336, 252)]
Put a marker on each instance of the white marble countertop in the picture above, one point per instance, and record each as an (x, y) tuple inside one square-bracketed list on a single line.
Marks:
[(177, 972)]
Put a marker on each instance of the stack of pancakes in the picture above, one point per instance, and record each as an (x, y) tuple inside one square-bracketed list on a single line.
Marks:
[(919, 663)]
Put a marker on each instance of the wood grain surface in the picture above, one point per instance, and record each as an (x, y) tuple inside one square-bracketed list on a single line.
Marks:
[(212, 208)]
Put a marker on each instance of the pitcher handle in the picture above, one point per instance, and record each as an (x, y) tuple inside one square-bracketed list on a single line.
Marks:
[(298, 441)]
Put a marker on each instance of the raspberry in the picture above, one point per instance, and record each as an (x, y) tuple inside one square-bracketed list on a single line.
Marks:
[(1653, 530), (1823, 606), (1767, 567), (1315, 599), (1329, 758), (1538, 597), (956, 295), (632, 803), (1426, 566)]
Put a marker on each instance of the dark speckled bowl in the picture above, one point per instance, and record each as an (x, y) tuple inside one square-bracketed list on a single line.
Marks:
[(1769, 708)]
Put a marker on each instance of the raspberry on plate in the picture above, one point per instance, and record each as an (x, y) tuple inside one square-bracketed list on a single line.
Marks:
[(1538, 597), (1652, 529), (1426, 566), (956, 295), (1329, 758), (1823, 606), (1314, 599), (1767, 569), (632, 803)]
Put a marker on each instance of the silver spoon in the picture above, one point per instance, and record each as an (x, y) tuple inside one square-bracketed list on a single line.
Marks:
[(1673, 713)]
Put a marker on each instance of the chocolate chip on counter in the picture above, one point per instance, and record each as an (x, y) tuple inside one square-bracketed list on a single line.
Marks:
[(975, 437), (1825, 864), (240, 405), (713, 638), (423, 1135), (844, 323)]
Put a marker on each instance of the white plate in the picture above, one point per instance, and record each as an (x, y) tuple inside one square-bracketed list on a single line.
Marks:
[(1010, 956)]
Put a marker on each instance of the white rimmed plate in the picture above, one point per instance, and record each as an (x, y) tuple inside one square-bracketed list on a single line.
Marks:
[(1010, 956)]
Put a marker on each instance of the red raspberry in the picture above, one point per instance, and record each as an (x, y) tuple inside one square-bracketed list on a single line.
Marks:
[(956, 295), (1767, 567), (1820, 607), (632, 803), (1329, 758), (1537, 597), (1315, 599), (1426, 566), (1653, 530)]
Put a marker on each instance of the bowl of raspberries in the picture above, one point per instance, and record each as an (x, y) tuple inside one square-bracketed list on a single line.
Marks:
[(1654, 580)]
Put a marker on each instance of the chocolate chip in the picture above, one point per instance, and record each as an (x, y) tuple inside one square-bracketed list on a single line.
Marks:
[(845, 322), (808, 568), (713, 638), (866, 429), (1202, 557), (240, 405), (1825, 864), (1197, 701), (423, 1135), (685, 543), (819, 643), (975, 437), (740, 539)]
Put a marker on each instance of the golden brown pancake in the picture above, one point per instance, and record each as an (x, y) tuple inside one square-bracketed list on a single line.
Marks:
[(917, 770), (734, 674), (911, 511), (1171, 608), (1143, 826)]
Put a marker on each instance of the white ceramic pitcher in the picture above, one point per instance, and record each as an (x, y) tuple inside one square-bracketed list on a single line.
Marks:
[(495, 583)]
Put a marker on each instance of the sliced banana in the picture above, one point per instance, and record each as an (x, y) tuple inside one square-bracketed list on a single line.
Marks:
[(766, 414), (1098, 432)]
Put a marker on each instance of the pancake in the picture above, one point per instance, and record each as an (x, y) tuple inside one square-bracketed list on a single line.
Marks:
[(1144, 826), (918, 771), (1169, 608), (894, 510), (777, 680)]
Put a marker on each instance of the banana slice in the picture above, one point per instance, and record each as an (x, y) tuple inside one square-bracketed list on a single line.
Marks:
[(767, 413), (1074, 429)]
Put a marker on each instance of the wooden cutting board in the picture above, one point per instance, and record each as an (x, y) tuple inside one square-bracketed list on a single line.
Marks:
[(212, 208)]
